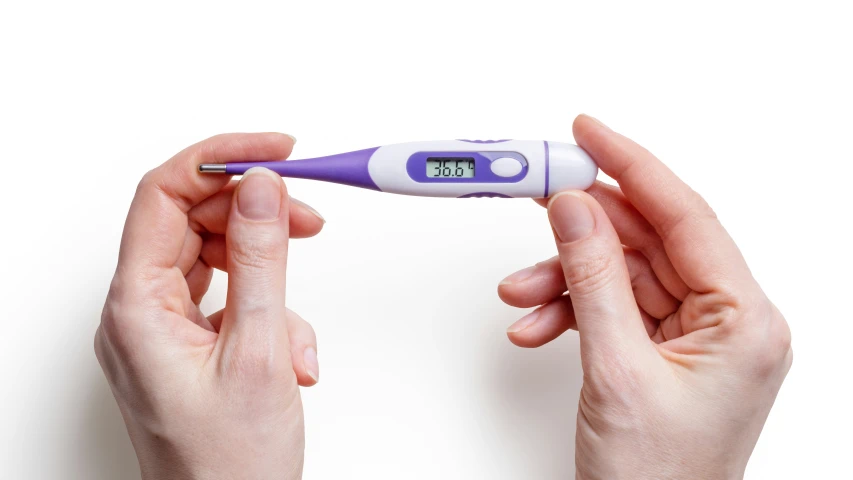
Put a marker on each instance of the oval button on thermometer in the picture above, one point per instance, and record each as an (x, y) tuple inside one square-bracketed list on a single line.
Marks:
[(448, 168), (506, 167)]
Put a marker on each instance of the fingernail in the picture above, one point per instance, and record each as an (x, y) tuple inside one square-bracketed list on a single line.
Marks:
[(524, 322), (312, 367), (308, 207), (291, 137), (570, 216), (259, 196), (599, 122), (519, 276)]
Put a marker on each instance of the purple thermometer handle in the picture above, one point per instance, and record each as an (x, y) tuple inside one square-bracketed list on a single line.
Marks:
[(346, 168)]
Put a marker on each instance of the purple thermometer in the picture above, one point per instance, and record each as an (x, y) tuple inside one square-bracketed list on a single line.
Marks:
[(449, 168)]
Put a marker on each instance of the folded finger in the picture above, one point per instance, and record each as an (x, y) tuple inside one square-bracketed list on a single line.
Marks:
[(534, 285), (545, 281), (303, 349), (198, 280), (543, 324), (154, 231), (635, 231), (650, 294), (211, 215), (702, 252), (189, 251), (213, 251)]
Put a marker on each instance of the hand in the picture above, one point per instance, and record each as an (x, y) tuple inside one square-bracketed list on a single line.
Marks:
[(210, 397), (682, 352)]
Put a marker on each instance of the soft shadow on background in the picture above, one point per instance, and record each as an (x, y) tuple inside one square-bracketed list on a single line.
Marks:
[(535, 404), (529, 397), (103, 448), (104, 444), (404, 382)]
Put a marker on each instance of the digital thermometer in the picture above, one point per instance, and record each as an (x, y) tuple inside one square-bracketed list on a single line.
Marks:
[(451, 168)]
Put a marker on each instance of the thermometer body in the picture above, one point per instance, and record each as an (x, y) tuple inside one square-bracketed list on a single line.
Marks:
[(450, 168)]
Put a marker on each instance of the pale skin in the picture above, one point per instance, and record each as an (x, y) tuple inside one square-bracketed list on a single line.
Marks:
[(682, 352)]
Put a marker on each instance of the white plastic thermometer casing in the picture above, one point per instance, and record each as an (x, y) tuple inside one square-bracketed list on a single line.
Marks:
[(448, 168), (551, 167)]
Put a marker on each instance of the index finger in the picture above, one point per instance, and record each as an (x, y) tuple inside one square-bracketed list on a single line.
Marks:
[(154, 230), (701, 250)]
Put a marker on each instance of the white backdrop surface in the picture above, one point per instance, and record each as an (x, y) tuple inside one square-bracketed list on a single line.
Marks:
[(749, 102)]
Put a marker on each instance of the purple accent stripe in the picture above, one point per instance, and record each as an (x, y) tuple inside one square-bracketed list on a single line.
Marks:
[(547, 168), (484, 194), (345, 168)]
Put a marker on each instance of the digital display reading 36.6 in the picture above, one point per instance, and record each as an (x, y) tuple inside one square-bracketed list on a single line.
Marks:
[(450, 167)]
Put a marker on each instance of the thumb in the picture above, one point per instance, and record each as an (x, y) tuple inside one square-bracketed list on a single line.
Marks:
[(253, 323), (597, 277)]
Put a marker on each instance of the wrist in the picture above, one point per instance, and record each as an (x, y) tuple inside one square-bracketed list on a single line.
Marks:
[(255, 466), (659, 471), (201, 456)]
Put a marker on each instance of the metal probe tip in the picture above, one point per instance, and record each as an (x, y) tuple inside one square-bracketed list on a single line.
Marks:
[(212, 168)]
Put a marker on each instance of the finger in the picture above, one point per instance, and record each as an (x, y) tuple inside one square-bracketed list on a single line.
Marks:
[(198, 280), (543, 324), (303, 350), (215, 319), (652, 324), (304, 222), (211, 215), (596, 274), (303, 346), (701, 251), (253, 330), (154, 231), (649, 293), (635, 232), (534, 285), (213, 252), (669, 328), (545, 281), (189, 251), (555, 317)]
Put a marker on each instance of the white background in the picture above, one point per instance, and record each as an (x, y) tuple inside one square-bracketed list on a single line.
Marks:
[(749, 102)]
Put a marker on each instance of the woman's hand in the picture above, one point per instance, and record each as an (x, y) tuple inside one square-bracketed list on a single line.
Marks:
[(217, 396), (682, 352)]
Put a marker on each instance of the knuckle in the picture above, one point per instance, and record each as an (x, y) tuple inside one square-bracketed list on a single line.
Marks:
[(651, 246), (258, 365), (638, 266), (111, 320), (773, 335), (789, 360), (119, 315), (99, 345), (155, 181), (147, 182), (700, 206), (778, 341), (103, 354), (690, 208), (591, 274), (721, 309), (258, 253), (781, 336), (253, 364), (115, 298)]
